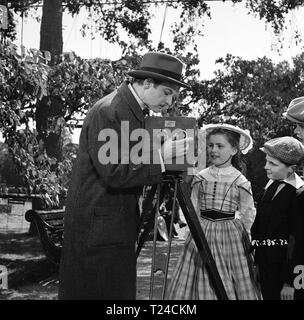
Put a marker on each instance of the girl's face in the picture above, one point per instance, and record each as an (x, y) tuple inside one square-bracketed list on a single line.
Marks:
[(220, 151), (277, 170)]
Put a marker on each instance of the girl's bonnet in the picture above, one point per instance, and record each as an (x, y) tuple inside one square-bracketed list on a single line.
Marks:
[(245, 138)]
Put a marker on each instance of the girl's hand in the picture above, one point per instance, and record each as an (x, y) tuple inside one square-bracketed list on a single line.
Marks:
[(287, 292)]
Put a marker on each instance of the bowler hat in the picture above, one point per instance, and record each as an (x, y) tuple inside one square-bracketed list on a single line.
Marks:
[(286, 149), (295, 110), (162, 67)]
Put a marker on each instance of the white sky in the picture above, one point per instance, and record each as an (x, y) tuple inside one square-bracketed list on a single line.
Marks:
[(230, 30)]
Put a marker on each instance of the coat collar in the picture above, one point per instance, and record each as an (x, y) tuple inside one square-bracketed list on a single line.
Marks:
[(139, 101), (294, 180), (131, 100)]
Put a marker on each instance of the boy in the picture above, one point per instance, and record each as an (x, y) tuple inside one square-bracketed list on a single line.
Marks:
[(275, 226)]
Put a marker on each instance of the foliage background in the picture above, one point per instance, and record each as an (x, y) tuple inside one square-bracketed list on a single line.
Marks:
[(41, 99)]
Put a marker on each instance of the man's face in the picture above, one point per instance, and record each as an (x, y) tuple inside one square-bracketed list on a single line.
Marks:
[(275, 169), (299, 131), (159, 97)]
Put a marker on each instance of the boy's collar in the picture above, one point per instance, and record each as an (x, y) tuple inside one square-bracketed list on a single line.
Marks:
[(294, 180)]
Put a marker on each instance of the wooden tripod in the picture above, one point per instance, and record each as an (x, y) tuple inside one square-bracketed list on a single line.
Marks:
[(183, 195)]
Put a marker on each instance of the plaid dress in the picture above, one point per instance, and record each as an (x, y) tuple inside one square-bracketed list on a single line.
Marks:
[(224, 190)]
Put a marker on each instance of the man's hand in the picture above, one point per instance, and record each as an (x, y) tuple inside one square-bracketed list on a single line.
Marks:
[(174, 149), (287, 292)]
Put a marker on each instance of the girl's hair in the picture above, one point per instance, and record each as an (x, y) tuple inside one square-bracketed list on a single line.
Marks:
[(233, 139)]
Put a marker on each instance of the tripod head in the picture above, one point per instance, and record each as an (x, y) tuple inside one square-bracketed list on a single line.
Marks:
[(180, 176)]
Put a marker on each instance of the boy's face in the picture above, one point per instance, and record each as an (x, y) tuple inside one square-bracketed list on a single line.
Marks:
[(275, 169), (220, 150), (159, 97)]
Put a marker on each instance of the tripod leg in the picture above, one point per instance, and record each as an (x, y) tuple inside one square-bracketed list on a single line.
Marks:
[(184, 199), (170, 240), (152, 209), (154, 244)]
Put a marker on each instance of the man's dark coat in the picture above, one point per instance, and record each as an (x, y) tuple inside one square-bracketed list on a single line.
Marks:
[(101, 218)]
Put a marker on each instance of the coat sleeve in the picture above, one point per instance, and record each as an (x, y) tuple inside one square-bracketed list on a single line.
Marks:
[(109, 148), (295, 250), (298, 228)]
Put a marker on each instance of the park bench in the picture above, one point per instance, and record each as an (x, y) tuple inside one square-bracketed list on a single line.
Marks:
[(49, 224)]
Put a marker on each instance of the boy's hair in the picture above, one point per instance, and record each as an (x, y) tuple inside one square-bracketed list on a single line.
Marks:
[(233, 139)]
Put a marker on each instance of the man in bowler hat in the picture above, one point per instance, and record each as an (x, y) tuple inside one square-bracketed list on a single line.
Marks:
[(295, 114), (101, 218)]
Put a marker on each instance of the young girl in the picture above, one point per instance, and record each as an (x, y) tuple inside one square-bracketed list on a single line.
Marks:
[(276, 228), (223, 200)]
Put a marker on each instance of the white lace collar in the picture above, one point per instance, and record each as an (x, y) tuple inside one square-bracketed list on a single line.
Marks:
[(221, 171)]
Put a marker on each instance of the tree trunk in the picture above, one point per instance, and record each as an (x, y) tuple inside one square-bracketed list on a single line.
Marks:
[(50, 107), (46, 109), (51, 29)]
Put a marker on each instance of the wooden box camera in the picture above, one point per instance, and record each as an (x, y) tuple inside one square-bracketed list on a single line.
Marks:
[(162, 128)]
